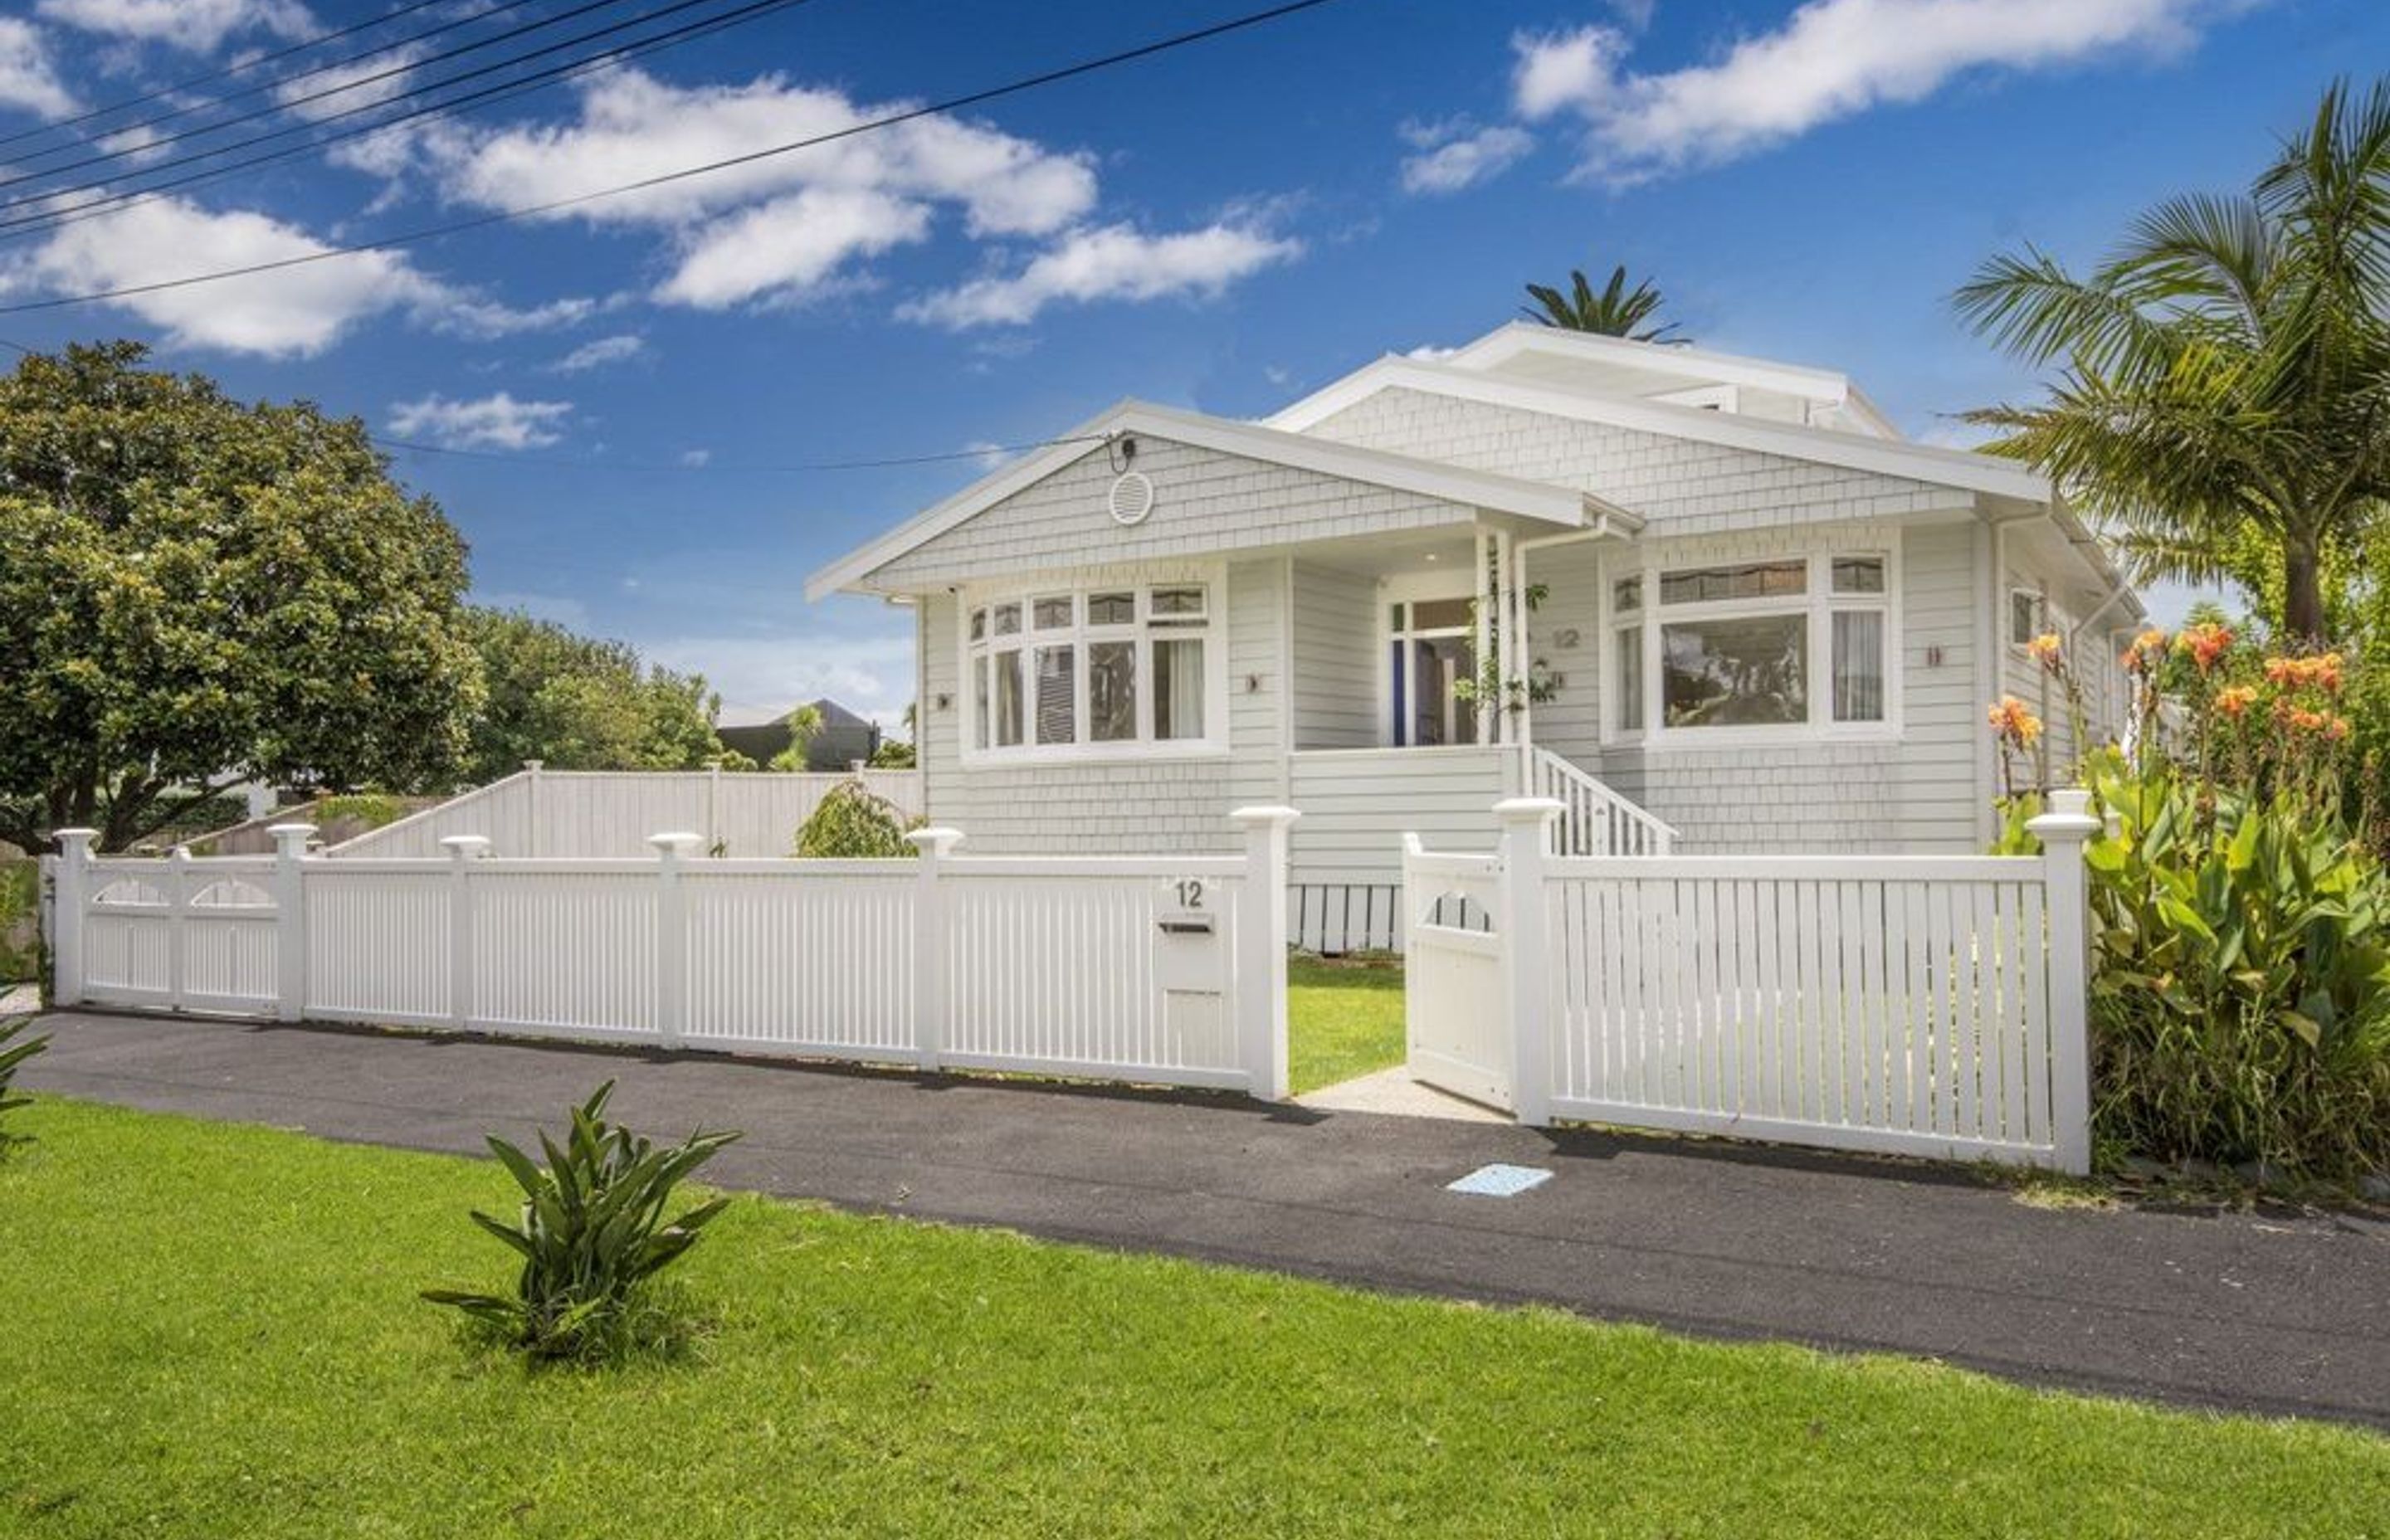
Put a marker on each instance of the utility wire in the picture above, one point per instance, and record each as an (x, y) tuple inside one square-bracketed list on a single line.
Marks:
[(501, 216), (53, 218), (292, 104), (163, 91)]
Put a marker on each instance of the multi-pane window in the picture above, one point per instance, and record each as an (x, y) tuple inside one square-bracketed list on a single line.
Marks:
[(1740, 645), (1112, 665)]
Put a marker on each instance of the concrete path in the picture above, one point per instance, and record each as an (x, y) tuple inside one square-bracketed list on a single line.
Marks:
[(2260, 1313)]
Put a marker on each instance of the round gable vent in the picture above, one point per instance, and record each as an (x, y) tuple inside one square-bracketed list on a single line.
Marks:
[(1132, 498)]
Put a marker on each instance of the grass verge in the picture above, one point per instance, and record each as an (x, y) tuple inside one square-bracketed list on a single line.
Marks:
[(213, 1330), (1343, 1018)]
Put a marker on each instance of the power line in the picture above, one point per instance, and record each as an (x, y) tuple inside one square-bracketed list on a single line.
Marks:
[(161, 93), (293, 104), (52, 219), (951, 104)]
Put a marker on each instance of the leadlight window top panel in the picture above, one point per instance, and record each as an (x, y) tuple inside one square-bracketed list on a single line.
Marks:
[(1748, 580)]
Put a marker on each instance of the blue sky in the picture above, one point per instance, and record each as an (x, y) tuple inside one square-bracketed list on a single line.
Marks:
[(1225, 227)]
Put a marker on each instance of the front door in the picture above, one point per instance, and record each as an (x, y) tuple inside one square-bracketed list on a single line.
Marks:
[(1430, 666)]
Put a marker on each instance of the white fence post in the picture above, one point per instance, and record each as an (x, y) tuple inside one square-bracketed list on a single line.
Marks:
[(672, 936), (931, 1005), (290, 919), (72, 894), (1261, 949), (179, 907), (2062, 831), (1519, 929), (531, 801), (463, 850)]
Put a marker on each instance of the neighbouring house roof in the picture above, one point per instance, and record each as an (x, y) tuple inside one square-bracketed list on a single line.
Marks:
[(1544, 502), (845, 735)]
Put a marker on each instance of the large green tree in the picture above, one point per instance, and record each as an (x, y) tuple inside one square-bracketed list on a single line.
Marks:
[(577, 702), (1612, 311), (2224, 376), (195, 591)]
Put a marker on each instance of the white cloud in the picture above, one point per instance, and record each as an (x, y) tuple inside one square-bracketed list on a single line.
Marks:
[(200, 26), (346, 88), (988, 455), (492, 422), (759, 677), (600, 352), (1112, 261), (777, 229), (28, 77), (791, 246), (1458, 154), (290, 312), (294, 311), (1829, 59), (697, 459)]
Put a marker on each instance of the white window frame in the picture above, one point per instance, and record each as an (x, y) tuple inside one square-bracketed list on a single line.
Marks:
[(1818, 601), (1079, 637), (2043, 613), (1406, 589)]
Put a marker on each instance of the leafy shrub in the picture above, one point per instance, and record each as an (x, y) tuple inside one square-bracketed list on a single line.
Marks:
[(12, 1056), (853, 824), (591, 1233), (2240, 930)]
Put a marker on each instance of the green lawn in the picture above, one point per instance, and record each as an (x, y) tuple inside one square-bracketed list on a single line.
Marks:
[(211, 1331), (1342, 1018)]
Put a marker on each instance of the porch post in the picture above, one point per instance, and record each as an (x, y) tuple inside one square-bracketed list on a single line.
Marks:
[(1481, 576)]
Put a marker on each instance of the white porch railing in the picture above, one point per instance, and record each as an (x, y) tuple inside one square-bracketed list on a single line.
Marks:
[(607, 813), (1594, 819), (1916, 1005), (1166, 969)]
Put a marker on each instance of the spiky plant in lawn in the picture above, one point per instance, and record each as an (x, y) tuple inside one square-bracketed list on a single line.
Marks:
[(591, 1232), (12, 1056)]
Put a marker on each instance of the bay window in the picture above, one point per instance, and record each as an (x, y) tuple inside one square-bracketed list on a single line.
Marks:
[(1111, 668), (1699, 648)]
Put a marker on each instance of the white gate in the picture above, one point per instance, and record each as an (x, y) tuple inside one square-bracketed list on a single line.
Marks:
[(1458, 1032), (1920, 1005)]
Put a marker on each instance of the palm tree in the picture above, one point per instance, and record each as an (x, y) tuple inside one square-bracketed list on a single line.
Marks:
[(1616, 312), (2225, 376)]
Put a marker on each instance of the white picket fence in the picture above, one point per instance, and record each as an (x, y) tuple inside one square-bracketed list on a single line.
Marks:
[(1164, 970), (538, 812), (1920, 1005)]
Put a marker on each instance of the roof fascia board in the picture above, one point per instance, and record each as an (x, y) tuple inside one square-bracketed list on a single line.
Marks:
[(1509, 341), (1882, 456), (1541, 501)]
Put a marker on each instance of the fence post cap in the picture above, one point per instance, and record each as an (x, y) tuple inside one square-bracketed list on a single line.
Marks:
[(675, 841), (2069, 817), (281, 831), (74, 839), (935, 842), (534, 765), (465, 847), (1270, 816), (1529, 810)]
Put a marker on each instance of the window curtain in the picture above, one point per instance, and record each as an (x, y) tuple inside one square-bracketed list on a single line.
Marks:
[(1858, 665)]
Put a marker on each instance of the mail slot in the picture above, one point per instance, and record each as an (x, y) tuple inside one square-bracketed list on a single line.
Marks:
[(1187, 925)]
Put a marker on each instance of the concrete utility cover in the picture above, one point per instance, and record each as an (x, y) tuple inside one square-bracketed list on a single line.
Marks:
[(1500, 1181)]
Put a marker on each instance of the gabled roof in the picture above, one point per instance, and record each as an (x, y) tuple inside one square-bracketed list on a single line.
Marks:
[(1953, 468), (1541, 501)]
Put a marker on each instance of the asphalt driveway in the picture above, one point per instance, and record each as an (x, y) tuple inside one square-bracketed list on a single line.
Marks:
[(2256, 1313)]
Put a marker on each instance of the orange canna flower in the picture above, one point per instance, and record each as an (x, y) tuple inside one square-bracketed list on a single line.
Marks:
[(2205, 644), (2337, 728), (2147, 649), (2014, 722), (2235, 700), (2048, 651)]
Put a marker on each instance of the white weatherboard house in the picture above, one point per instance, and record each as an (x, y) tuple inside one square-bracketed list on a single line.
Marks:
[(1724, 605)]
